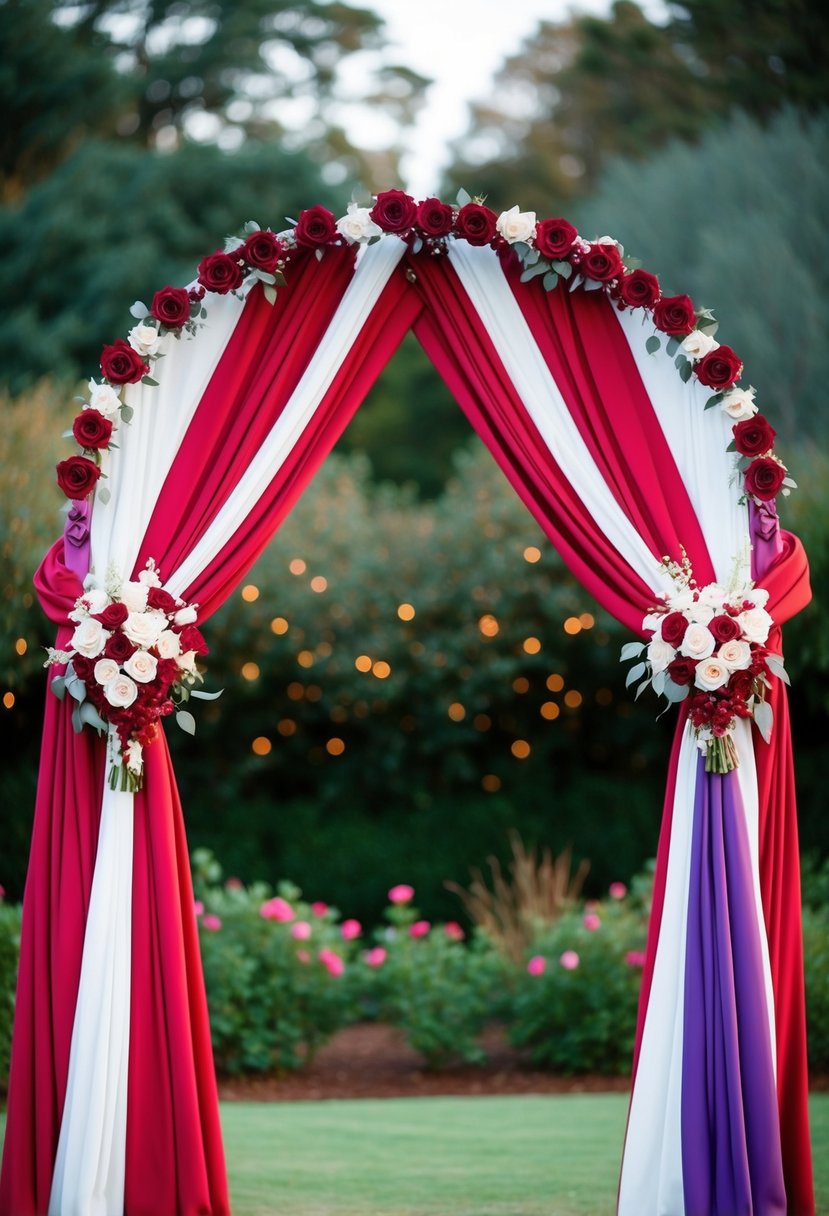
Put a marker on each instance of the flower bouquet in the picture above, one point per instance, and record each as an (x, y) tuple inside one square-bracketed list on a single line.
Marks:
[(132, 660), (708, 645)]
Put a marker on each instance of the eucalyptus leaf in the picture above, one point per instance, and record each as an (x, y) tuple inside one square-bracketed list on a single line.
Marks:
[(592, 285), (463, 197), (575, 281), (67, 434), (550, 280), (102, 494), (186, 721), (59, 687), (207, 696), (127, 412), (636, 672), (533, 272), (149, 381), (653, 345), (252, 226), (645, 684), (777, 668), (764, 719), (531, 256), (564, 269), (672, 346), (417, 245), (139, 310), (675, 692), (90, 716), (318, 254), (631, 650), (269, 292), (685, 372), (659, 680)]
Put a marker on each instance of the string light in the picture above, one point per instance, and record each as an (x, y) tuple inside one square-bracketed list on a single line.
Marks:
[(8, 700), (21, 646), (555, 682), (531, 645), (532, 554), (250, 671), (456, 711), (550, 711), (363, 662), (295, 690), (335, 746), (286, 727), (279, 625), (520, 749), (319, 583), (305, 658), (313, 692), (406, 612), (573, 626), (573, 699), (482, 722), (261, 746), (488, 625), (297, 566), (381, 669), (520, 684), (491, 783), (250, 592), (587, 620)]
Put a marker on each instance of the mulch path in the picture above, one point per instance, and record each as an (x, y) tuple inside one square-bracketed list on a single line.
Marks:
[(374, 1061)]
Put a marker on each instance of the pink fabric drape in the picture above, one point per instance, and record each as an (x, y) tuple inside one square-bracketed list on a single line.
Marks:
[(175, 1160)]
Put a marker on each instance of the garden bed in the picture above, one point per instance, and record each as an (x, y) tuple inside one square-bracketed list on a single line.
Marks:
[(371, 1060)]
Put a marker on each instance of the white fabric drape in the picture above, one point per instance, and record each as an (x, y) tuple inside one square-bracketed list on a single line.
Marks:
[(88, 1179)]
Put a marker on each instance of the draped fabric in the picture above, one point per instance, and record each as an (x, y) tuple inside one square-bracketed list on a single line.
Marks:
[(620, 464)]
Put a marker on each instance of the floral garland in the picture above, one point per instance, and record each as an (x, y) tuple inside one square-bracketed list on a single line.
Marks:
[(549, 249), (708, 645), (131, 661)]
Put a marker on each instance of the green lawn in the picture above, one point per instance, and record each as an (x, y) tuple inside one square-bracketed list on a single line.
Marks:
[(514, 1156)]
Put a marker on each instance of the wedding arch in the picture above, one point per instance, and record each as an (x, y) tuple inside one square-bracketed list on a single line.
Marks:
[(621, 423)]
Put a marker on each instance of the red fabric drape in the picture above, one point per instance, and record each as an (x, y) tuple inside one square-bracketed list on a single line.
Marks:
[(174, 1155)]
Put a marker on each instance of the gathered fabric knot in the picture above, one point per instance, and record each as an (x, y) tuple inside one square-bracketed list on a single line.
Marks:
[(787, 582), (57, 588)]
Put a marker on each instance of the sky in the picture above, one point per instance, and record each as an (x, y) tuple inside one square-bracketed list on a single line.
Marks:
[(459, 44)]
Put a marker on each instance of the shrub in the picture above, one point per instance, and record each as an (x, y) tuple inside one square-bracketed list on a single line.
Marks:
[(9, 954), (816, 966)]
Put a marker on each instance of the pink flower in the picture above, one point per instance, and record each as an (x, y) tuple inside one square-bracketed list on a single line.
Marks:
[(332, 962), (303, 956), (617, 890), (301, 931), (592, 922), (198, 907), (569, 960), (350, 929), (453, 931), (375, 957), (537, 965), (635, 958), (319, 908), (419, 929), (401, 894), (234, 884), (276, 909), (211, 923)]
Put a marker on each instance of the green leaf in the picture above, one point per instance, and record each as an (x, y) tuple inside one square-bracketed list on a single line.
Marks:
[(575, 281), (631, 650), (463, 197), (127, 412), (675, 692), (685, 372), (764, 719), (592, 285), (417, 245), (564, 269), (90, 717), (269, 292), (653, 344), (102, 494), (139, 310), (550, 280), (532, 272), (149, 381), (59, 687), (659, 680), (635, 673), (645, 684), (252, 226), (776, 666), (206, 696), (715, 400), (186, 721), (672, 346)]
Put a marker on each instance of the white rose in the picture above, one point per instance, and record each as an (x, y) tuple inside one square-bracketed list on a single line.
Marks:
[(106, 670), (187, 662), (89, 638), (141, 666), (515, 225), (143, 628), (95, 600), (713, 595), (357, 224), (186, 616), (698, 642), (145, 339), (150, 577), (134, 595), (660, 654), (104, 397), (757, 596), (755, 624), (168, 644), (735, 654), (121, 691), (652, 622), (739, 403), (681, 601), (702, 613), (697, 344), (710, 674)]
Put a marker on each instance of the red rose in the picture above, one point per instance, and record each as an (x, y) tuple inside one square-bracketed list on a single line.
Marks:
[(119, 647), (394, 211), (476, 224), (674, 626), (601, 262), (77, 476), (740, 686), (123, 365), (83, 666), (674, 315), (191, 639), (263, 250), (724, 628), (315, 227), (91, 429), (171, 306), (554, 238), (434, 218), (157, 597), (221, 272), (719, 368), (754, 436), (682, 671), (167, 671), (113, 615), (763, 478), (639, 289)]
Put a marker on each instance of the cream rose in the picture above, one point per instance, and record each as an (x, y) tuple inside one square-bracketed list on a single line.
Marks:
[(515, 225), (757, 596), (168, 644), (106, 670), (134, 595), (143, 628), (187, 661), (735, 654), (660, 654), (357, 225), (755, 624), (121, 691), (186, 616), (89, 638), (142, 666), (698, 642), (713, 595), (739, 403), (710, 674), (698, 344), (145, 339), (104, 398)]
